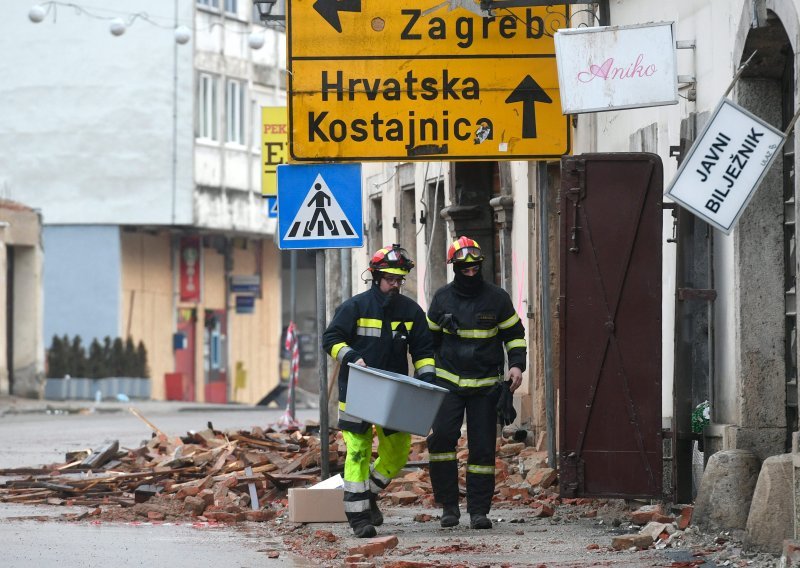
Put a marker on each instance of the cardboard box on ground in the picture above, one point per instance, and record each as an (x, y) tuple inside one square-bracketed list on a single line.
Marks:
[(320, 503)]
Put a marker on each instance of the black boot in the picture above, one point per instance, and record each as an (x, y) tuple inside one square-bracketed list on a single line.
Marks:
[(364, 530), (479, 521), (450, 515), (375, 513), (362, 525)]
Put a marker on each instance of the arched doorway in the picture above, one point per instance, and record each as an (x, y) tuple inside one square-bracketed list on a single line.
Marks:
[(764, 402)]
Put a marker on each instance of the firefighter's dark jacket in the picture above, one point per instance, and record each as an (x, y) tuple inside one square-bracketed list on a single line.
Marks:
[(381, 329), (469, 333)]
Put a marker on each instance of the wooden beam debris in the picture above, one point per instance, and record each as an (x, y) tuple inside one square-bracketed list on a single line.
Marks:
[(234, 475)]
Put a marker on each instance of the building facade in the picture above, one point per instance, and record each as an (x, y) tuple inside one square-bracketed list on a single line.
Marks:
[(143, 154), (735, 343)]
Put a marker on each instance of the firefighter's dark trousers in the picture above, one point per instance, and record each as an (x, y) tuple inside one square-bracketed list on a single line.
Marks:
[(363, 481), (481, 410)]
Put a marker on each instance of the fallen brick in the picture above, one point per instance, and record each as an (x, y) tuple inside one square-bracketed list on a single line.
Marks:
[(388, 541), (542, 511), (403, 497), (626, 541), (327, 536), (194, 505), (685, 517), (261, 516), (653, 529), (512, 449), (368, 549), (224, 517), (544, 477)]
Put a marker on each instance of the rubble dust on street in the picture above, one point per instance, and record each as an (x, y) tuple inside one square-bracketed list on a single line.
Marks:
[(185, 478)]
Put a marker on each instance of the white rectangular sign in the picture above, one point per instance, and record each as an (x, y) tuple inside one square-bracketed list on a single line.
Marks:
[(611, 68), (725, 165)]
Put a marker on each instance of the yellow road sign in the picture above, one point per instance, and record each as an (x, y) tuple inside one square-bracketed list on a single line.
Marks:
[(274, 139), (421, 80)]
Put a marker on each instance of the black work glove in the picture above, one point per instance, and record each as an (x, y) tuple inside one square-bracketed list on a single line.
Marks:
[(351, 357), (427, 377), (505, 405), (449, 322)]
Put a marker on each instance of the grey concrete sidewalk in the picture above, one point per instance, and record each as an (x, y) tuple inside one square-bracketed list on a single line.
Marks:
[(20, 405)]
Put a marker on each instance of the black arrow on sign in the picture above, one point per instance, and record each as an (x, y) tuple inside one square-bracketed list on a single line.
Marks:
[(329, 10), (528, 92)]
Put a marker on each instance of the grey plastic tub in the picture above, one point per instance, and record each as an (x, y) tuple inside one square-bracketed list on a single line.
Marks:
[(392, 400)]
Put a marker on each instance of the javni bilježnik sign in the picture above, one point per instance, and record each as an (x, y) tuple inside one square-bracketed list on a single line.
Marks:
[(725, 165)]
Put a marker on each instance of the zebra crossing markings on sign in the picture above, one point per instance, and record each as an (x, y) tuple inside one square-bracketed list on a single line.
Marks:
[(319, 206)]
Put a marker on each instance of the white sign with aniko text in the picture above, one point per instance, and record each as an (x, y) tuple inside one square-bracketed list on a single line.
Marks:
[(610, 68), (725, 165)]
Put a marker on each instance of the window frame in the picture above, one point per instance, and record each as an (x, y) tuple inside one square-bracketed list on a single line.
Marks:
[(235, 112), (207, 106)]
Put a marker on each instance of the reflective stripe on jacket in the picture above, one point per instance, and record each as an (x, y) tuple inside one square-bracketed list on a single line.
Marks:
[(470, 334), (380, 331)]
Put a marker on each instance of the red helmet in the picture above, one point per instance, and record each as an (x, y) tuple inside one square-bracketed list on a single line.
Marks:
[(392, 260), (464, 249)]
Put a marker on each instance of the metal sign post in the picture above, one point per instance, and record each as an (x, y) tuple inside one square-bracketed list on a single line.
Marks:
[(324, 436), (320, 207)]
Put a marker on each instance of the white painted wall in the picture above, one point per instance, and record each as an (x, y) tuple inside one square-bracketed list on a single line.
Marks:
[(87, 131)]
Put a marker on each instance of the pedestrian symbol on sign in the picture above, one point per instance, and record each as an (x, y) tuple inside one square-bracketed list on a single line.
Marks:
[(320, 217)]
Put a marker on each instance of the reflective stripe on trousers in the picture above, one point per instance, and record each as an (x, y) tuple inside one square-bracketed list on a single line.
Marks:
[(481, 435), (362, 478)]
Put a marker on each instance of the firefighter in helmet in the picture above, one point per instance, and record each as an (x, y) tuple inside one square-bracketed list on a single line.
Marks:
[(376, 328), (474, 326)]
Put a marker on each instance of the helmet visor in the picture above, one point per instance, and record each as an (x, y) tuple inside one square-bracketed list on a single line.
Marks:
[(467, 254), (397, 255)]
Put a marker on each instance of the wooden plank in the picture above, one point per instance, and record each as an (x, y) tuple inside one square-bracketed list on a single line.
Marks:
[(101, 456)]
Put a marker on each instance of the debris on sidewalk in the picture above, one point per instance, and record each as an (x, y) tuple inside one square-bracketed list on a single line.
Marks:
[(216, 475), (211, 477)]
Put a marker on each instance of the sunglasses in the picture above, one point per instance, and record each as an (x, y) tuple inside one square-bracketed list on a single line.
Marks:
[(395, 280)]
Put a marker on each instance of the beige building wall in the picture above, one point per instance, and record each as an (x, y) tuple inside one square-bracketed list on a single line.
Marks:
[(255, 338), (20, 243), (147, 313), (149, 286)]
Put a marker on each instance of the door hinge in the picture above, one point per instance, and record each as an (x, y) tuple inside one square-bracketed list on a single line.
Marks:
[(685, 294)]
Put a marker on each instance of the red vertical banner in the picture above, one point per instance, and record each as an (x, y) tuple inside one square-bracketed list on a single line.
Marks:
[(190, 269)]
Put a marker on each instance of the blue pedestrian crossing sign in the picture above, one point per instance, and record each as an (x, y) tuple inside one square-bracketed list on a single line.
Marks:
[(272, 206), (319, 206)]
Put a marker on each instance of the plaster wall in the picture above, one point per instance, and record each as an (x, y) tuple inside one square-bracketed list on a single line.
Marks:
[(82, 276), (28, 316), (92, 123), (255, 338), (758, 291), (5, 385)]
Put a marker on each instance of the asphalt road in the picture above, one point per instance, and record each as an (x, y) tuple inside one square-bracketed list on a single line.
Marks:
[(35, 433)]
